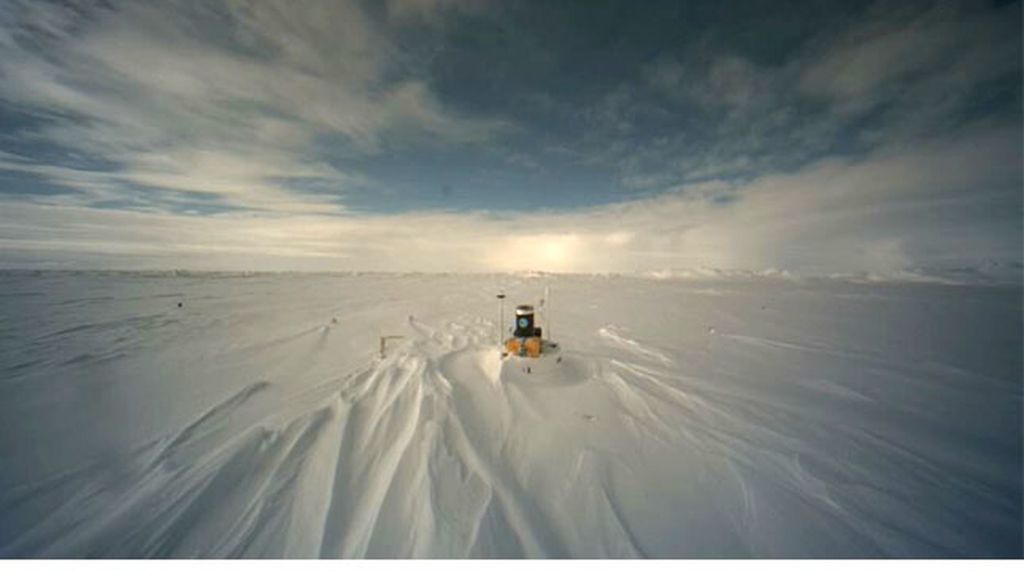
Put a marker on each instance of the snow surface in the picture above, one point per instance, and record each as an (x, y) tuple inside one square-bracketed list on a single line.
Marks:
[(687, 418)]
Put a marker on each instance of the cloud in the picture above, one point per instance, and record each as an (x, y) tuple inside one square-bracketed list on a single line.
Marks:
[(226, 100), (203, 135), (918, 72), (895, 210), (896, 74), (892, 47), (431, 11)]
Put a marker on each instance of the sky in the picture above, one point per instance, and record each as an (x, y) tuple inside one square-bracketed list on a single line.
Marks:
[(479, 136)]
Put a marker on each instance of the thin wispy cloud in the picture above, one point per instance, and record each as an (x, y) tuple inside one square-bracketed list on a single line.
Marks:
[(228, 100), (443, 135)]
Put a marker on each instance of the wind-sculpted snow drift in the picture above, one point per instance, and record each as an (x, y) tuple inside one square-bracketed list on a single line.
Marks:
[(721, 418)]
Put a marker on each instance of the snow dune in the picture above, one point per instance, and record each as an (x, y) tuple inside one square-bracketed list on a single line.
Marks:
[(766, 417)]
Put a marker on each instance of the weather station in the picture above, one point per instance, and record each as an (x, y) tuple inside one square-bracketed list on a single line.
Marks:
[(527, 336)]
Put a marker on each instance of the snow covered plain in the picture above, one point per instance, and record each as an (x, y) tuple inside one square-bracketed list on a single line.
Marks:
[(687, 418)]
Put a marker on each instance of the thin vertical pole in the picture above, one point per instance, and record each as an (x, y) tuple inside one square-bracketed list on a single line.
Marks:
[(501, 316), (547, 318)]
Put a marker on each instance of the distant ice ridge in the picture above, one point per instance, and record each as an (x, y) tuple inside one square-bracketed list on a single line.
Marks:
[(992, 274), (708, 273)]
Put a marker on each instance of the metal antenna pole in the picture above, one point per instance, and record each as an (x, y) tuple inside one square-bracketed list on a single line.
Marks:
[(547, 318), (501, 315)]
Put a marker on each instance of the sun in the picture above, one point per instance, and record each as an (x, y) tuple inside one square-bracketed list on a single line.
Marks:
[(557, 251)]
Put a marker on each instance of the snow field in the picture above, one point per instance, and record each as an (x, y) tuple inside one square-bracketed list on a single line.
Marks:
[(686, 418)]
